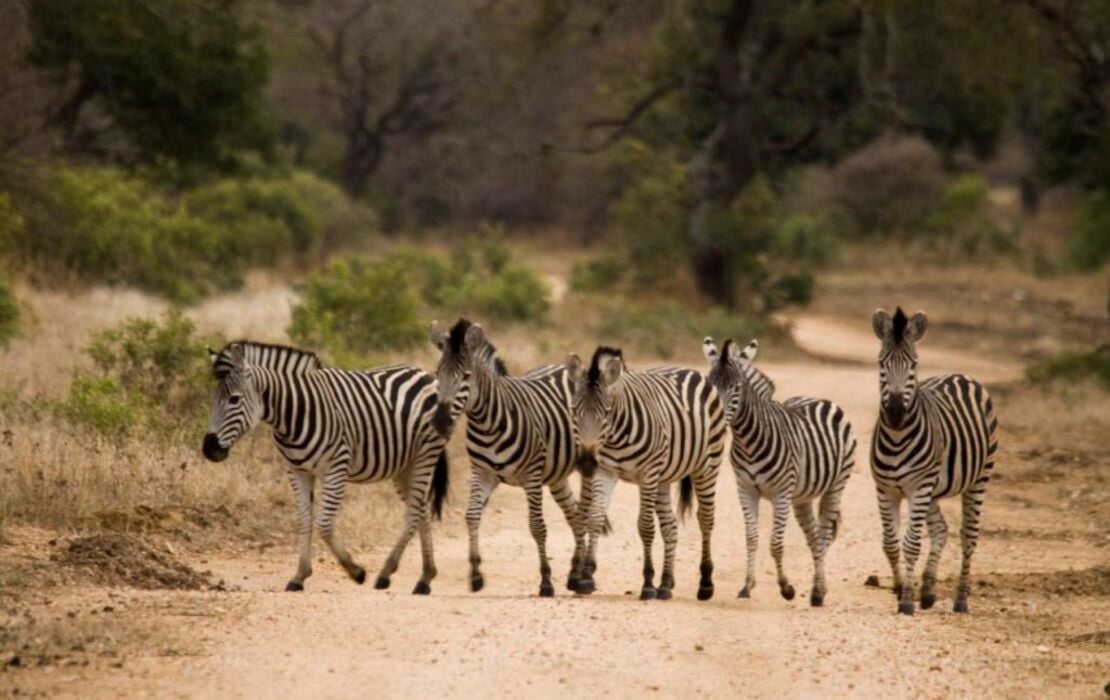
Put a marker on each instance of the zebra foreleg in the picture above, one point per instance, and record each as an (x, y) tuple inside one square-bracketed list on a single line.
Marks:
[(564, 496), (669, 528), (481, 487), (969, 538), (534, 492), (427, 555), (602, 484), (705, 485), (781, 513), (889, 505), (803, 511), (919, 504), (749, 502), (938, 535), (302, 483), (334, 488), (646, 526)]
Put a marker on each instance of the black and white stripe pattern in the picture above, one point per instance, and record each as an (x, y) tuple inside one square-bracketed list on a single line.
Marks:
[(519, 432), (338, 427), (932, 441), (653, 429), (792, 453)]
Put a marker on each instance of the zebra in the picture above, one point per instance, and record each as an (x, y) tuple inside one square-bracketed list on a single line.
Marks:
[(519, 432), (339, 427), (932, 440), (793, 453), (651, 428)]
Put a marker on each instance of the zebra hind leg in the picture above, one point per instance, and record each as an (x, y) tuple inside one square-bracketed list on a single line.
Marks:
[(705, 485), (938, 535), (803, 511), (333, 491), (534, 493), (969, 538), (413, 517), (646, 526), (669, 527), (564, 497)]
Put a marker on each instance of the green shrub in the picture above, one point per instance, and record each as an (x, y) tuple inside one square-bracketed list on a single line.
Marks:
[(597, 275), (658, 330), (963, 218), (1089, 246), (805, 238), (101, 404), (514, 294), (9, 314), (356, 307), (1073, 366), (650, 221)]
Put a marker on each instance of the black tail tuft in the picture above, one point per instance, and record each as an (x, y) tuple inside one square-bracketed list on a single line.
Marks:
[(440, 484), (685, 493)]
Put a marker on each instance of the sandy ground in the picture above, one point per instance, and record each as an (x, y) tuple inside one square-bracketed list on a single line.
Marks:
[(341, 640)]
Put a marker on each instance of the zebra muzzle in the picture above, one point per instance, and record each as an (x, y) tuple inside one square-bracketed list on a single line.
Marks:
[(442, 420), (212, 450)]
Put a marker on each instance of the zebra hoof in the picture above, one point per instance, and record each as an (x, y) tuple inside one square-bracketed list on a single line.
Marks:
[(572, 583), (294, 587), (927, 600), (663, 594), (421, 588), (905, 608), (586, 586), (705, 592), (547, 590), (476, 583), (359, 575), (816, 600), (745, 592), (647, 593), (381, 583), (960, 607), (787, 592)]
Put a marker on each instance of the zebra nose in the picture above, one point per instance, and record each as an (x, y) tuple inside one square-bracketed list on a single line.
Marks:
[(212, 450), (442, 420)]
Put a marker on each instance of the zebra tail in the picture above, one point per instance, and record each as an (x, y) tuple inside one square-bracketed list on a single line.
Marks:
[(685, 494), (440, 484)]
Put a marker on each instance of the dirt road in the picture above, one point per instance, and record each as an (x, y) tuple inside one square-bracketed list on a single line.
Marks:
[(341, 640)]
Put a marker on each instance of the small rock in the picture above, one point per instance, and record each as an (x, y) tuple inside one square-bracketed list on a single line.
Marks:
[(1042, 649), (872, 581), (14, 661), (699, 647)]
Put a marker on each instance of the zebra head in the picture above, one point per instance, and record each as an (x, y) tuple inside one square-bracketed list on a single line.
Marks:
[(729, 372), (592, 401), (898, 362), (236, 403), (458, 348)]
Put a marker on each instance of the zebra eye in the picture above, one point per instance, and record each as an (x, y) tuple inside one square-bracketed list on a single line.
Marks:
[(234, 399)]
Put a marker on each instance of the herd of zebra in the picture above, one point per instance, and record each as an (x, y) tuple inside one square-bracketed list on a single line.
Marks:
[(609, 423)]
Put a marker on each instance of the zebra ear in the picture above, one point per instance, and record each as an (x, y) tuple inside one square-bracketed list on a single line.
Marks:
[(437, 334), (475, 337), (917, 326), (613, 369), (750, 351), (574, 367), (709, 349), (212, 355), (881, 324)]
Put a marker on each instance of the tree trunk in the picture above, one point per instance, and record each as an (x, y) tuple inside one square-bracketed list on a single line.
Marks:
[(360, 161)]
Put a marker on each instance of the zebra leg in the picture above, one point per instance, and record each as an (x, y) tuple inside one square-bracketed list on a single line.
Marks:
[(969, 537), (919, 504), (534, 492), (481, 487), (603, 483), (781, 512), (938, 535), (302, 483), (564, 496), (646, 526), (705, 485), (669, 527), (414, 495), (749, 501), (890, 502), (803, 511), (334, 488), (427, 555)]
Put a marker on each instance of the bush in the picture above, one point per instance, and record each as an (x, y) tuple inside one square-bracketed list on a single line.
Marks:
[(1089, 246), (659, 329), (650, 220), (597, 275), (9, 314), (1073, 366), (356, 307), (963, 218), (101, 404), (805, 238)]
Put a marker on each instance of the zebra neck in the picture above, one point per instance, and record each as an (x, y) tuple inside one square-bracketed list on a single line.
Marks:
[(287, 402), (485, 393), (915, 416)]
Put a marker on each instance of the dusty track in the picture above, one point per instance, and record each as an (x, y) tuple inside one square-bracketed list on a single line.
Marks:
[(341, 640)]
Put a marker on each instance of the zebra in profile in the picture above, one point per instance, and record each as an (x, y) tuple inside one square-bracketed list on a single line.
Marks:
[(793, 452), (519, 432), (932, 441), (338, 427), (653, 429)]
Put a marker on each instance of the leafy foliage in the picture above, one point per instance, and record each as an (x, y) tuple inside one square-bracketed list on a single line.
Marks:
[(598, 274), (963, 217), (1089, 246), (1073, 366)]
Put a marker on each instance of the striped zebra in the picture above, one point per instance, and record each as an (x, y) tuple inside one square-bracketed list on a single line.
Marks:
[(338, 427), (932, 441), (653, 429), (793, 453), (518, 432)]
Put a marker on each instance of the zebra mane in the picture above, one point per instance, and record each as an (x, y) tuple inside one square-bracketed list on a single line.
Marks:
[(899, 323), (456, 342), (764, 385), (594, 373), (281, 357)]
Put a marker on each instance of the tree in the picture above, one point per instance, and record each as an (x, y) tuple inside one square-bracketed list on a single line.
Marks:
[(177, 79)]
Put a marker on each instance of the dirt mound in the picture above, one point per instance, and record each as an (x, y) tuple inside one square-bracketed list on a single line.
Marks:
[(123, 560)]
